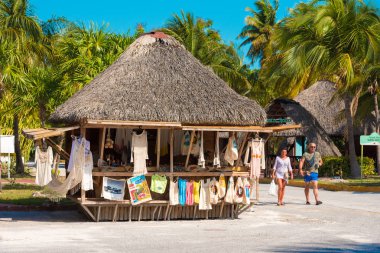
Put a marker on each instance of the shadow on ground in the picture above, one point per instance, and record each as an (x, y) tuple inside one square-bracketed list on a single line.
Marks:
[(43, 216), (349, 247)]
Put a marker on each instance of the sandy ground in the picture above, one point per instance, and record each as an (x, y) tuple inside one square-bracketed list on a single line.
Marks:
[(346, 222)]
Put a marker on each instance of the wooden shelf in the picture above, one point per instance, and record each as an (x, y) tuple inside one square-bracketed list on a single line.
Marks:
[(174, 174)]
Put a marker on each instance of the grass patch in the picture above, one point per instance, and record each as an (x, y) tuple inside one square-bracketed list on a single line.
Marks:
[(22, 194)]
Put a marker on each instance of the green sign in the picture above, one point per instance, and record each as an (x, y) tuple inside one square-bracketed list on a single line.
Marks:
[(370, 140), (278, 120)]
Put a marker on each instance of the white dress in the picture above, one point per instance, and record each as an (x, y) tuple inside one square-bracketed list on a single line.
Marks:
[(139, 153), (44, 164), (256, 151), (204, 196)]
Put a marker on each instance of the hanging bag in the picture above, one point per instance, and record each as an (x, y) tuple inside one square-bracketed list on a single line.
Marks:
[(272, 189)]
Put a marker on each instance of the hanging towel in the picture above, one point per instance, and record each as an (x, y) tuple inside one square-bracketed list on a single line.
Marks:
[(196, 191), (231, 153), (239, 191), (201, 158), (173, 193), (247, 192), (216, 153), (158, 184), (222, 186), (190, 193), (182, 191), (230, 191)]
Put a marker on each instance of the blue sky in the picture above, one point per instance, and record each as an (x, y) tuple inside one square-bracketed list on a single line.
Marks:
[(123, 15)]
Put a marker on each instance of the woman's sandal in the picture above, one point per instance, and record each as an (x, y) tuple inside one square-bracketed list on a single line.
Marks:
[(318, 202), (307, 203)]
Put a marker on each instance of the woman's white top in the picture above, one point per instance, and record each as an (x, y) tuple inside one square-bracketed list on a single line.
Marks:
[(281, 166)]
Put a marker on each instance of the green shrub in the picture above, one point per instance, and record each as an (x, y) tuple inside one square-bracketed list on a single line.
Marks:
[(340, 166)]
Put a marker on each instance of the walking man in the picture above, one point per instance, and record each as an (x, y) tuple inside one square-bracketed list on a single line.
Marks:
[(311, 161)]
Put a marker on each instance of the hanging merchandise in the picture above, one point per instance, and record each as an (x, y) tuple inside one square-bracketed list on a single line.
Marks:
[(109, 141), (185, 143), (230, 191), (239, 191), (231, 153), (113, 189), (256, 150), (247, 192), (74, 149), (196, 144), (214, 191), (138, 190), (87, 182), (222, 186), (204, 196), (190, 193), (173, 193), (201, 158), (158, 184), (123, 140), (182, 191), (177, 142), (216, 153), (44, 163), (196, 191), (139, 152)]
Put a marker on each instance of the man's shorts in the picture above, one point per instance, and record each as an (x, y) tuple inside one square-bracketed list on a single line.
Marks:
[(312, 177)]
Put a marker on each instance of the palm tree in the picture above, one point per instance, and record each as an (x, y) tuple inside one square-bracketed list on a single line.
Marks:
[(205, 43), (332, 40), (20, 34), (257, 33)]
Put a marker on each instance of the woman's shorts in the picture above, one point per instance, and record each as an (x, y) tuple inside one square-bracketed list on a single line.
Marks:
[(312, 177)]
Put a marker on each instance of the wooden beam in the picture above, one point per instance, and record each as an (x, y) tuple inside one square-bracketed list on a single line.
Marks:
[(172, 174), (190, 147), (89, 123), (158, 147), (88, 212), (171, 150), (241, 148), (83, 192), (228, 128), (58, 149)]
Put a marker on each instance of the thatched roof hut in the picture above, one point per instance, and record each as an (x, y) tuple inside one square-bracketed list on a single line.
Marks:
[(317, 99), (157, 79), (311, 128)]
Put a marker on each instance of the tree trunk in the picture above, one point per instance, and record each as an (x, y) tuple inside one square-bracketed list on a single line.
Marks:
[(377, 128), (355, 169), (19, 163)]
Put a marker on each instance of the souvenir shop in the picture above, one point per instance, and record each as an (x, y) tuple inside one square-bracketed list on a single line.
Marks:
[(156, 136)]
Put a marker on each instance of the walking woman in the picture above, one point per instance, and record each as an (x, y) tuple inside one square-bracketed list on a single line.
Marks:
[(281, 170)]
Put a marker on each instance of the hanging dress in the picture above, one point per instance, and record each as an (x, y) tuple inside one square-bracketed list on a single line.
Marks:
[(139, 153), (256, 151), (196, 191), (204, 196), (44, 163), (173, 193), (230, 191), (247, 192), (222, 186), (190, 193), (239, 191), (214, 191)]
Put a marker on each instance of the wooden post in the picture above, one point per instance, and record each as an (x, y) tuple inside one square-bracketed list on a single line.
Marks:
[(102, 136), (190, 147), (257, 189), (83, 192), (171, 150), (242, 144), (158, 141)]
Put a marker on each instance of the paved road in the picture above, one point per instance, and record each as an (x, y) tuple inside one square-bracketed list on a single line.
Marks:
[(346, 222)]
